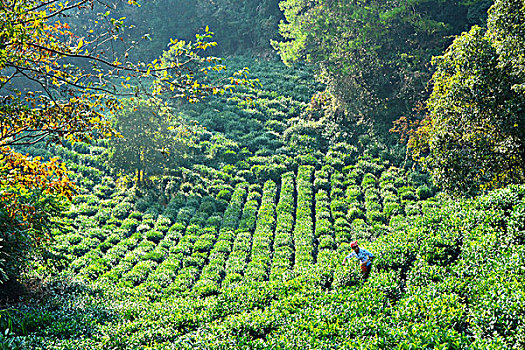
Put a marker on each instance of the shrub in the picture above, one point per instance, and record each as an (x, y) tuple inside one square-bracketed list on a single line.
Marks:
[(326, 242), (130, 225), (135, 215), (373, 206), (323, 227), (122, 210), (321, 182), (224, 195), (346, 278), (338, 208), (155, 256), (74, 239), (355, 213), (406, 193), (388, 188), (103, 191), (369, 181), (98, 234), (114, 238), (204, 288), (79, 249), (162, 221), (139, 273), (371, 195), (104, 246), (232, 278), (392, 209), (375, 216), (412, 208), (417, 178), (204, 244), (144, 226), (154, 236), (396, 220), (360, 227), (86, 209), (390, 198), (354, 194), (423, 192), (226, 235), (377, 230), (193, 261), (113, 222)]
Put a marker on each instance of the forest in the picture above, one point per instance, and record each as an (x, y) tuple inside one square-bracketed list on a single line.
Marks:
[(180, 174)]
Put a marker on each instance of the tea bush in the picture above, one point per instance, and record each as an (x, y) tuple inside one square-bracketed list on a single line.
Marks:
[(283, 242), (241, 246)]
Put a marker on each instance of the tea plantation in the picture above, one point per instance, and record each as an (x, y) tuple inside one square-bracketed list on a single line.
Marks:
[(240, 247)]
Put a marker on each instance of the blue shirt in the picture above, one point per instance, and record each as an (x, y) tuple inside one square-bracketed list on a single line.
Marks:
[(361, 256)]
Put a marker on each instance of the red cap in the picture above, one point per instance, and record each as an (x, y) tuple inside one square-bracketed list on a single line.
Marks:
[(353, 244)]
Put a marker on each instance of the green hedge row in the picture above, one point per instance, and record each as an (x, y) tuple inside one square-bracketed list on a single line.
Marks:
[(258, 269), (324, 230), (283, 246), (242, 245), (303, 234), (162, 274), (214, 271)]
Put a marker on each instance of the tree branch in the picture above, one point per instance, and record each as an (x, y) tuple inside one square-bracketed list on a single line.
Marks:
[(67, 82)]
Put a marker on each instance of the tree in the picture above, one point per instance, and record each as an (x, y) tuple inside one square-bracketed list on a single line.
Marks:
[(152, 139), (473, 136), (76, 82), (372, 55), (241, 26), (31, 194)]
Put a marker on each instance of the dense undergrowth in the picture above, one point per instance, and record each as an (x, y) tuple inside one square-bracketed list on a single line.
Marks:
[(241, 246)]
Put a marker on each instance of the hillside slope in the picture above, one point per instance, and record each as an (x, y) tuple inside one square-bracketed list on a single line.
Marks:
[(243, 248)]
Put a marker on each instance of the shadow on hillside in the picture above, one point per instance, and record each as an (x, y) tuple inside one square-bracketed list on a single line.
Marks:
[(11, 292), (63, 309)]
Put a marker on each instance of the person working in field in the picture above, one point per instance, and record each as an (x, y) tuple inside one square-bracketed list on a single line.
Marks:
[(364, 256)]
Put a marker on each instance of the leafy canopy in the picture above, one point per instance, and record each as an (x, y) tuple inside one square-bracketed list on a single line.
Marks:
[(373, 55), (473, 136), (80, 80), (153, 139)]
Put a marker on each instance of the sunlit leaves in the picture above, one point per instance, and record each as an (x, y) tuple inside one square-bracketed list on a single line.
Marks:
[(38, 46), (31, 192), (472, 138), (152, 138), (21, 174), (184, 71), (372, 55), (74, 99)]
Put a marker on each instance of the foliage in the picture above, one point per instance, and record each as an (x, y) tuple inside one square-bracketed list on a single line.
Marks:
[(59, 85), (242, 27), (283, 241), (472, 137), (303, 234), (451, 278), (31, 195), (152, 140), (372, 55), (74, 99), (240, 245), (433, 281), (258, 269)]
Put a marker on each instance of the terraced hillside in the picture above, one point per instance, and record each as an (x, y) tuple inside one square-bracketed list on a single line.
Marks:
[(242, 249), (189, 241)]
